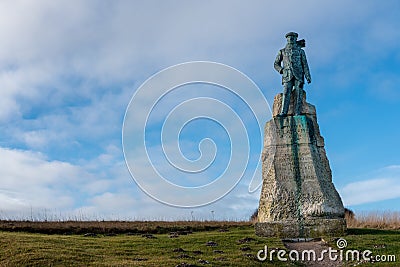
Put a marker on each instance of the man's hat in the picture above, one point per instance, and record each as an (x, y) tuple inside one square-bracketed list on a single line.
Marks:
[(291, 34)]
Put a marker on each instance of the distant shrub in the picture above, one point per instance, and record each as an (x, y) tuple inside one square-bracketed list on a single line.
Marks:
[(254, 216), (373, 219), (348, 214)]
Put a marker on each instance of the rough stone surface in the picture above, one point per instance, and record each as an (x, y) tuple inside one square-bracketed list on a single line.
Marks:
[(307, 108), (298, 198)]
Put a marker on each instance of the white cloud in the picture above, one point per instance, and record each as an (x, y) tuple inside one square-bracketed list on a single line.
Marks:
[(384, 187), (126, 41), (114, 203), (35, 187), (35, 139), (68, 69), (30, 180)]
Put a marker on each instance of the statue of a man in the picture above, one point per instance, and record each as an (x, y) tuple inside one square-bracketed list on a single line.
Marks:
[(294, 69)]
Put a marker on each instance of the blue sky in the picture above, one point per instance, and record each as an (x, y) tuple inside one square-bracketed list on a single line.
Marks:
[(68, 70)]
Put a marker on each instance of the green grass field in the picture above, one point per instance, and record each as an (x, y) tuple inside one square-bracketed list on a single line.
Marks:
[(236, 245)]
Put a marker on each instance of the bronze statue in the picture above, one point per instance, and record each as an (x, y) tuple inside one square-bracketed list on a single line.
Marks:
[(294, 69)]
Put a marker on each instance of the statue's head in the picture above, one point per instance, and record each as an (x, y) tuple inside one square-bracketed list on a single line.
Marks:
[(291, 37)]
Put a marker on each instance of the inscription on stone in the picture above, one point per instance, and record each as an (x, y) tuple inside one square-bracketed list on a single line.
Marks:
[(298, 198)]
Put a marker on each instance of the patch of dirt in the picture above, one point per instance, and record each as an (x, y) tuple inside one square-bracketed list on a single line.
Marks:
[(318, 246)]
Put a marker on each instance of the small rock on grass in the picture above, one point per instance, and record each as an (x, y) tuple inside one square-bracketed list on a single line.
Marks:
[(173, 235), (184, 264), (140, 259), (245, 248), (184, 256), (211, 244), (90, 235), (149, 236), (250, 256), (203, 261), (245, 240)]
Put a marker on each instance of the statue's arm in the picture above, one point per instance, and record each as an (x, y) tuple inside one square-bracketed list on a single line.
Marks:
[(305, 66), (277, 63)]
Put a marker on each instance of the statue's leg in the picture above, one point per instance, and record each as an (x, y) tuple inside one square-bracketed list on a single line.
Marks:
[(287, 89), (299, 97)]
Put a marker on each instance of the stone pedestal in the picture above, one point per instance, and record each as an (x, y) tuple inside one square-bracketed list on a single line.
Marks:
[(298, 198)]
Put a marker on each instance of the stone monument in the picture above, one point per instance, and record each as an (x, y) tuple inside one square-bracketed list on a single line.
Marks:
[(298, 198)]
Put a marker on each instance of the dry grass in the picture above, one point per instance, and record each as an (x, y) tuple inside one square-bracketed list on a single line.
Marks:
[(389, 220), (115, 227)]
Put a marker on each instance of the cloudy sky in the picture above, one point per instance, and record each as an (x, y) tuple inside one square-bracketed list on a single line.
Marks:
[(68, 70)]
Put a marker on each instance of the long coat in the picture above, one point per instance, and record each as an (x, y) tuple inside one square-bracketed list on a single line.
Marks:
[(294, 64)]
